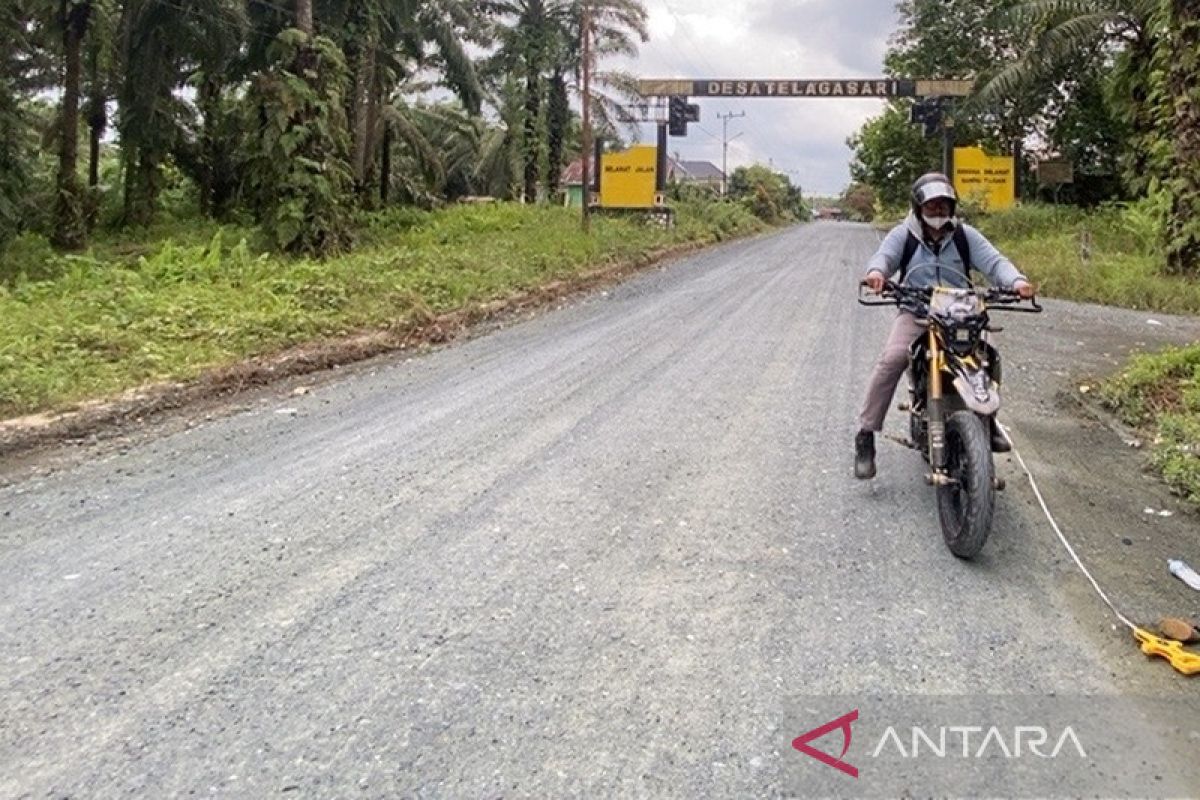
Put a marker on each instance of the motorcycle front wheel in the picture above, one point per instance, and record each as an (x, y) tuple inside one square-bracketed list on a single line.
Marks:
[(965, 505)]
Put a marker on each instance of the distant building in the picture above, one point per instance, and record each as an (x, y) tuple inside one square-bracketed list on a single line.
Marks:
[(696, 173), (571, 180), (829, 212)]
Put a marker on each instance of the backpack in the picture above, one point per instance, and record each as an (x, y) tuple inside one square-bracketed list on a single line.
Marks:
[(911, 244)]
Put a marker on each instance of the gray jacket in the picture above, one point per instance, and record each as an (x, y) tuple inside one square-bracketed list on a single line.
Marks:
[(942, 266)]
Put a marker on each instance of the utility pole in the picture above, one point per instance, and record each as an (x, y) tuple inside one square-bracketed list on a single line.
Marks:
[(586, 145), (947, 138), (725, 140)]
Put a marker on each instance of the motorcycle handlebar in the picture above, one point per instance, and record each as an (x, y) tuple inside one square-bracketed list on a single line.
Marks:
[(996, 299)]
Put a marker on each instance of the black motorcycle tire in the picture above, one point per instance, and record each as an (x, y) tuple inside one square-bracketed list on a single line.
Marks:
[(965, 507), (919, 435)]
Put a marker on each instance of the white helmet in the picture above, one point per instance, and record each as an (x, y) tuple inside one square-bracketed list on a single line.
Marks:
[(933, 186)]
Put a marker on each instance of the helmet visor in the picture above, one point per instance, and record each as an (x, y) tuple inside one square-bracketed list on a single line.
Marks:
[(933, 191)]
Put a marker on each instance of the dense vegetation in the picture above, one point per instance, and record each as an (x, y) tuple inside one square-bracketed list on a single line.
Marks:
[(293, 115), (186, 183), (1111, 85)]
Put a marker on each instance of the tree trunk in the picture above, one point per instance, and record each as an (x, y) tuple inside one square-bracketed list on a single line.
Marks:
[(208, 96), (97, 115), (534, 47), (1183, 242), (304, 16), (532, 143), (371, 152), (97, 120), (358, 112), (69, 230), (365, 116), (385, 170), (558, 123), (142, 186)]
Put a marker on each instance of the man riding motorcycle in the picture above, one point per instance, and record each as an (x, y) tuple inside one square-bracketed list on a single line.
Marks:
[(930, 248)]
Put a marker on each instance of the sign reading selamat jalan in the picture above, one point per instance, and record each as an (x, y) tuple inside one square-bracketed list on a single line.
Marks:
[(851, 87)]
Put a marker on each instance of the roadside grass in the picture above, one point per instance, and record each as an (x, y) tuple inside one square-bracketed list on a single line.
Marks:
[(191, 296), (1110, 256), (1113, 256), (1161, 393)]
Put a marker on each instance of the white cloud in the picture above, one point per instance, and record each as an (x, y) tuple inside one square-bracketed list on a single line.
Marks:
[(771, 39)]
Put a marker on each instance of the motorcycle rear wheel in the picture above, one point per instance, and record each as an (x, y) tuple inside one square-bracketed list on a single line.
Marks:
[(965, 506)]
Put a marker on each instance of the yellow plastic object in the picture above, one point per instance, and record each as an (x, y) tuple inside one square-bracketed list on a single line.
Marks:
[(1182, 660)]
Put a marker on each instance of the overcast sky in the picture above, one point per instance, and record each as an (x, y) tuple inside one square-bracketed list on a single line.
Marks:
[(771, 39)]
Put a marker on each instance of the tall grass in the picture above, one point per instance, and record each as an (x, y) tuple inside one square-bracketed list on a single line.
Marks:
[(1112, 255)]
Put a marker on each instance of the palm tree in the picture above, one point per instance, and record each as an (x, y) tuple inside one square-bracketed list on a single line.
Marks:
[(13, 172), (437, 147), (527, 32), (540, 41), (1068, 36), (1067, 32), (162, 45), (71, 18), (617, 26), (386, 42), (101, 59), (498, 168)]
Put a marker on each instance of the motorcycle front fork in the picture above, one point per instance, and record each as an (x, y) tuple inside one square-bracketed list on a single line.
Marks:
[(934, 413)]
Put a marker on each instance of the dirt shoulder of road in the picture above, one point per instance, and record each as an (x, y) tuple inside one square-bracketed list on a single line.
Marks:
[(1094, 472)]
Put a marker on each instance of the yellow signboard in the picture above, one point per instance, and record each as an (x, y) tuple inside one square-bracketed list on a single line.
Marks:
[(627, 180), (986, 180)]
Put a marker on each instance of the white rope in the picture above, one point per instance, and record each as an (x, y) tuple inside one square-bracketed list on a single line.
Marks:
[(1037, 492)]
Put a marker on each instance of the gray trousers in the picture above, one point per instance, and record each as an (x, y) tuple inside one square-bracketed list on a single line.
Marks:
[(893, 361)]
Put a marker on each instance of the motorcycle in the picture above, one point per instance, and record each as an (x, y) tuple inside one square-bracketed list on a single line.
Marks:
[(952, 428)]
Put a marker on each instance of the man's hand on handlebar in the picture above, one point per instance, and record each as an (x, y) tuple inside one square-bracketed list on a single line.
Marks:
[(1024, 289), (874, 281)]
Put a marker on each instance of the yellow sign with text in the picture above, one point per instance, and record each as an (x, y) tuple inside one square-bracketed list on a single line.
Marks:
[(627, 180), (986, 180)]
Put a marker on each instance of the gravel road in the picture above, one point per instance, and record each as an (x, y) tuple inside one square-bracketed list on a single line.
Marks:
[(613, 550)]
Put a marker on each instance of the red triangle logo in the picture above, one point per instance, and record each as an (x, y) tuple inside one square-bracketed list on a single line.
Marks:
[(801, 743)]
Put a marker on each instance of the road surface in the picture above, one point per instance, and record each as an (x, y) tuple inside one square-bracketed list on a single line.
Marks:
[(613, 550)]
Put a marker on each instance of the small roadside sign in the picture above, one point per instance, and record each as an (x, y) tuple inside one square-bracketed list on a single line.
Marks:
[(981, 178), (628, 179), (1055, 171)]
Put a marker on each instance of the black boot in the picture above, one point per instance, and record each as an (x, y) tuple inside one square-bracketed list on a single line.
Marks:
[(864, 455), (999, 443)]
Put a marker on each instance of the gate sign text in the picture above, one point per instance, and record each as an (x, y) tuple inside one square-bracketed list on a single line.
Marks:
[(817, 88), (845, 87)]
